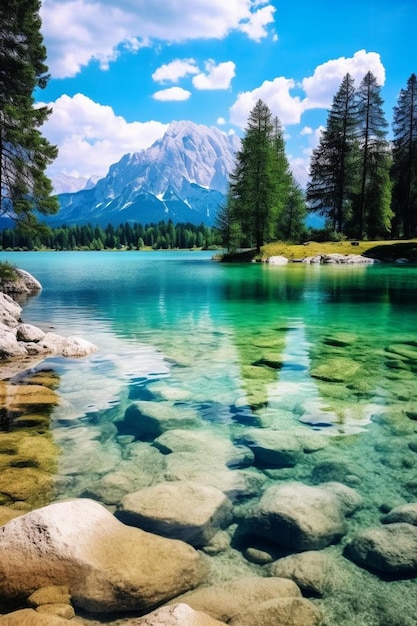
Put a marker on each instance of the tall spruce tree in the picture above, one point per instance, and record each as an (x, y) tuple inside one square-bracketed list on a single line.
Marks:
[(372, 207), (404, 169), (253, 185), (24, 152), (334, 163)]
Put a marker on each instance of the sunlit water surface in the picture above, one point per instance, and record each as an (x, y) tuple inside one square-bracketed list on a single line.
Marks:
[(327, 352)]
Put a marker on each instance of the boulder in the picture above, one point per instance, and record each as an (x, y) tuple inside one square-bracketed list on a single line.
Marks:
[(298, 516), (180, 510), (49, 595), (273, 448), (391, 548), (28, 332), (10, 310), (24, 284), (30, 617), (231, 599), (148, 420), (277, 260), (404, 513), (175, 615), (313, 571), (280, 612), (10, 348), (204, 442), (106, 565)]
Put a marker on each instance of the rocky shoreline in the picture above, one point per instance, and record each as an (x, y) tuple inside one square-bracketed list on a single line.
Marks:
[(23, 345)]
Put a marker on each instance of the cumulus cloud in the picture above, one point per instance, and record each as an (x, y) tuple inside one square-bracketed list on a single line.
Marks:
[(276, 94), (306, 130), (323, 85), (319, 89), (79, 31), (91, 137), (172, 94), (221, 121), (216, 77), (173, 71)]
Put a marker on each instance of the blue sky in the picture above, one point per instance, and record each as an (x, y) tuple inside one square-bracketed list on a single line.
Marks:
[(121, 70)]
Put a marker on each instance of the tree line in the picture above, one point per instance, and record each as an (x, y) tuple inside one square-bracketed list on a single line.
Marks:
[(364, 185), (158, 236)]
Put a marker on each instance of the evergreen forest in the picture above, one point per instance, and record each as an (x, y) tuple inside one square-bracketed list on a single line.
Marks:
[(160, 236)]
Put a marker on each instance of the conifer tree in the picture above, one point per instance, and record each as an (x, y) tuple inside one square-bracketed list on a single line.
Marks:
[(372, 210), (333, 167), (24, 152), (253, 185), (404, 170)]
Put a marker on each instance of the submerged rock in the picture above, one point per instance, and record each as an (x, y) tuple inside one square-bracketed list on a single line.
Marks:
[(298, 516), (403, 513), (148, 420), (175, 615), (180, 510), (391, 548), (313, 571), (106, 565), (273, 448)]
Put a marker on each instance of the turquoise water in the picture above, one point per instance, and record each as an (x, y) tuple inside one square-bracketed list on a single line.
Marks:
[(328, 353)]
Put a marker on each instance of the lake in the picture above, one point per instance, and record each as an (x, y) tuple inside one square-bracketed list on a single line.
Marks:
[(326, 353)]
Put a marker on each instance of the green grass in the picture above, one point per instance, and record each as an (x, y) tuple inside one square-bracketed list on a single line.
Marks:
[(387, 250), (8, 272)]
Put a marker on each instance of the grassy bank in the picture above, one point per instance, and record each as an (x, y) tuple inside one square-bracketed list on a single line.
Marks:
[(388, 250)]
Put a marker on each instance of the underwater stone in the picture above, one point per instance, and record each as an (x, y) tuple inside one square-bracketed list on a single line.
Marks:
[(298, 516), (106, 565), (391, 548), (273, 448), (147, 420), (281, 612), (175, 615), (180, 510), (313, 571), (404, 513)]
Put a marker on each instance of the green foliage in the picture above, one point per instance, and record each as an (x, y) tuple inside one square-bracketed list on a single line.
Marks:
[(24, 152), (125, 236), (404, 169), (8, 272), (263, 201)]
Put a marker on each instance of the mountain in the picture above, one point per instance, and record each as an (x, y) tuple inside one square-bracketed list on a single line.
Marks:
[(183, 176), (64, 183)]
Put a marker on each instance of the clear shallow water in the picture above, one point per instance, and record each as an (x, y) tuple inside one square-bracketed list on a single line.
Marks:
[(328, 353)]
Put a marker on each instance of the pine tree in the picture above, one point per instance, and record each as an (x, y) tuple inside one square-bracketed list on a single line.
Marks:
[(333, 167), (24, 152), (404, 170), (372, 210), (253, 186)]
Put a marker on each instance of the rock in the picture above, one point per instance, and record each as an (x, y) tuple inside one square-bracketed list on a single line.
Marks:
[(77, 347), (180, 510), (337, 258), (404, 513), (280, 612), (175, 615), (298, 516), (10, 311), (61, 610), (24, 284), (273, 448), (313, 571), (49, 595), (391, 548), (28, 332), (148, 420), (107, 566), (277, 260), (10, 348), (231, 599), (349, 499), (30, 617), (203, 442), (336, 471)]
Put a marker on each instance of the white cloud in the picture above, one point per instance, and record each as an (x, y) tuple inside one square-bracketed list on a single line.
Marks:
[(325, 82), (276, 94), (78, 31), (306, 130), (216, 77), (319, 89), (173, 71), (255, 27), (91, 137), (221, 121), (172, 94)]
